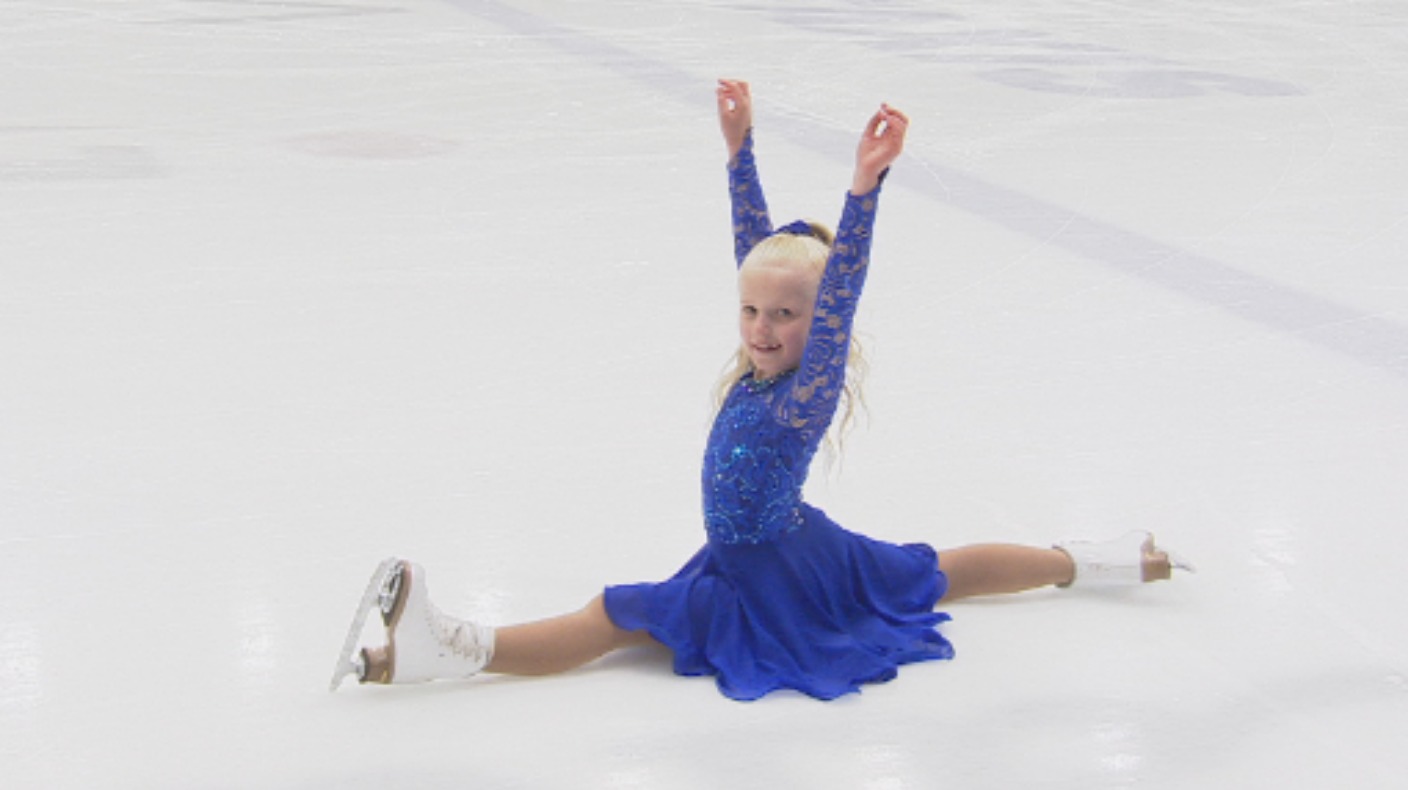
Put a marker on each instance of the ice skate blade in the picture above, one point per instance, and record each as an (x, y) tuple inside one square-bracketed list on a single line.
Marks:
[(370, 598), (1175, 562)]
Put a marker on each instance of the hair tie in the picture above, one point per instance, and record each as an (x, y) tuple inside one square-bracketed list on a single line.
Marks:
[(798, 228)]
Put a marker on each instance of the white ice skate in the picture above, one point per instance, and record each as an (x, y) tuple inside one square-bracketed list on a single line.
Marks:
[(1128, 560), (422, 643)]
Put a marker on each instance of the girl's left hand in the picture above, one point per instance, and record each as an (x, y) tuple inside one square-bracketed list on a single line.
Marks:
[(880, 146), (735, 113)]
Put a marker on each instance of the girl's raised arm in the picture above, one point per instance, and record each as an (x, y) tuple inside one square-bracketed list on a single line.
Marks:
[(751, 221), (821, 376)]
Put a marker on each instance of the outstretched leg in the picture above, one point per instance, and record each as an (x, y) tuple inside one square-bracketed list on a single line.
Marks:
[(558, 644), (424, 643), (1002, 568)]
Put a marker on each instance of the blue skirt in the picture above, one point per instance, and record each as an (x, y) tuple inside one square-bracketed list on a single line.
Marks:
[(820, 610)]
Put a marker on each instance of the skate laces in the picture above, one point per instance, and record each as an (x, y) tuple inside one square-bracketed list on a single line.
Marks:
[(461, 637), (386, 599)]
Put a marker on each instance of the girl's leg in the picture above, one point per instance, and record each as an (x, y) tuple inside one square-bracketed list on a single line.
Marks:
[(424, 643), (558, 644), (545, 647), (999, 568)]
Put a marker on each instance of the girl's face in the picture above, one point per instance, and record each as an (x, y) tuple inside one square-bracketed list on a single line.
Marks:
[(775, 316)]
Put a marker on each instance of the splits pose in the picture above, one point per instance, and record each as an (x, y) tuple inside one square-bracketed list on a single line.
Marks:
[(780, 596)]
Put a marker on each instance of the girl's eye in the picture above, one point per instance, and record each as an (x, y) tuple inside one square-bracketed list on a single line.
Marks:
[(750, 310)]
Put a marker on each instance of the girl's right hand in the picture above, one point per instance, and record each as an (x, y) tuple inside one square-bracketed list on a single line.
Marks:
[(735, 113)]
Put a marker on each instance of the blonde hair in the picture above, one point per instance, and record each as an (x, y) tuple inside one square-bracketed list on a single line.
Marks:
[(810, 252)]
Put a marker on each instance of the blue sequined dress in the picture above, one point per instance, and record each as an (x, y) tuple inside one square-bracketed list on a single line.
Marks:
[(781, 597)]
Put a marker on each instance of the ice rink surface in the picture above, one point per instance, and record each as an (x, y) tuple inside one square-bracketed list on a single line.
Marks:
[(287, 287)]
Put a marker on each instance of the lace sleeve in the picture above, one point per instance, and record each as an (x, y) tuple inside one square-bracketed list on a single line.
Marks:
[(751, 223), (816, 391)]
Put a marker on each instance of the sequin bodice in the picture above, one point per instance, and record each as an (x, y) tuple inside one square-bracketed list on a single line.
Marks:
[(766, 433)]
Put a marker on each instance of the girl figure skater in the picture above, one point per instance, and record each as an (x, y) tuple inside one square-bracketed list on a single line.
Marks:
[(780, 596)]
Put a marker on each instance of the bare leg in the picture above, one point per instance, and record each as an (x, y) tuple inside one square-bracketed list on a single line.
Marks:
[(999, 568), (558, 644)]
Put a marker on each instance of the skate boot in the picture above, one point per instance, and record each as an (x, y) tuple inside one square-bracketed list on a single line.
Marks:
[(423, 643), (1125, 561)]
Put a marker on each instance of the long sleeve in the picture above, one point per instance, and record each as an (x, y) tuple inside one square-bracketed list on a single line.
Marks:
[(751, 223), (822, 373)]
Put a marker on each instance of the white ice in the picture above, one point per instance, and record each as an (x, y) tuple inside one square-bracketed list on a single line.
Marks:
[(287, 287)]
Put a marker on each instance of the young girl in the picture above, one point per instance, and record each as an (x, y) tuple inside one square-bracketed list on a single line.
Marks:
[(780, 596)]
